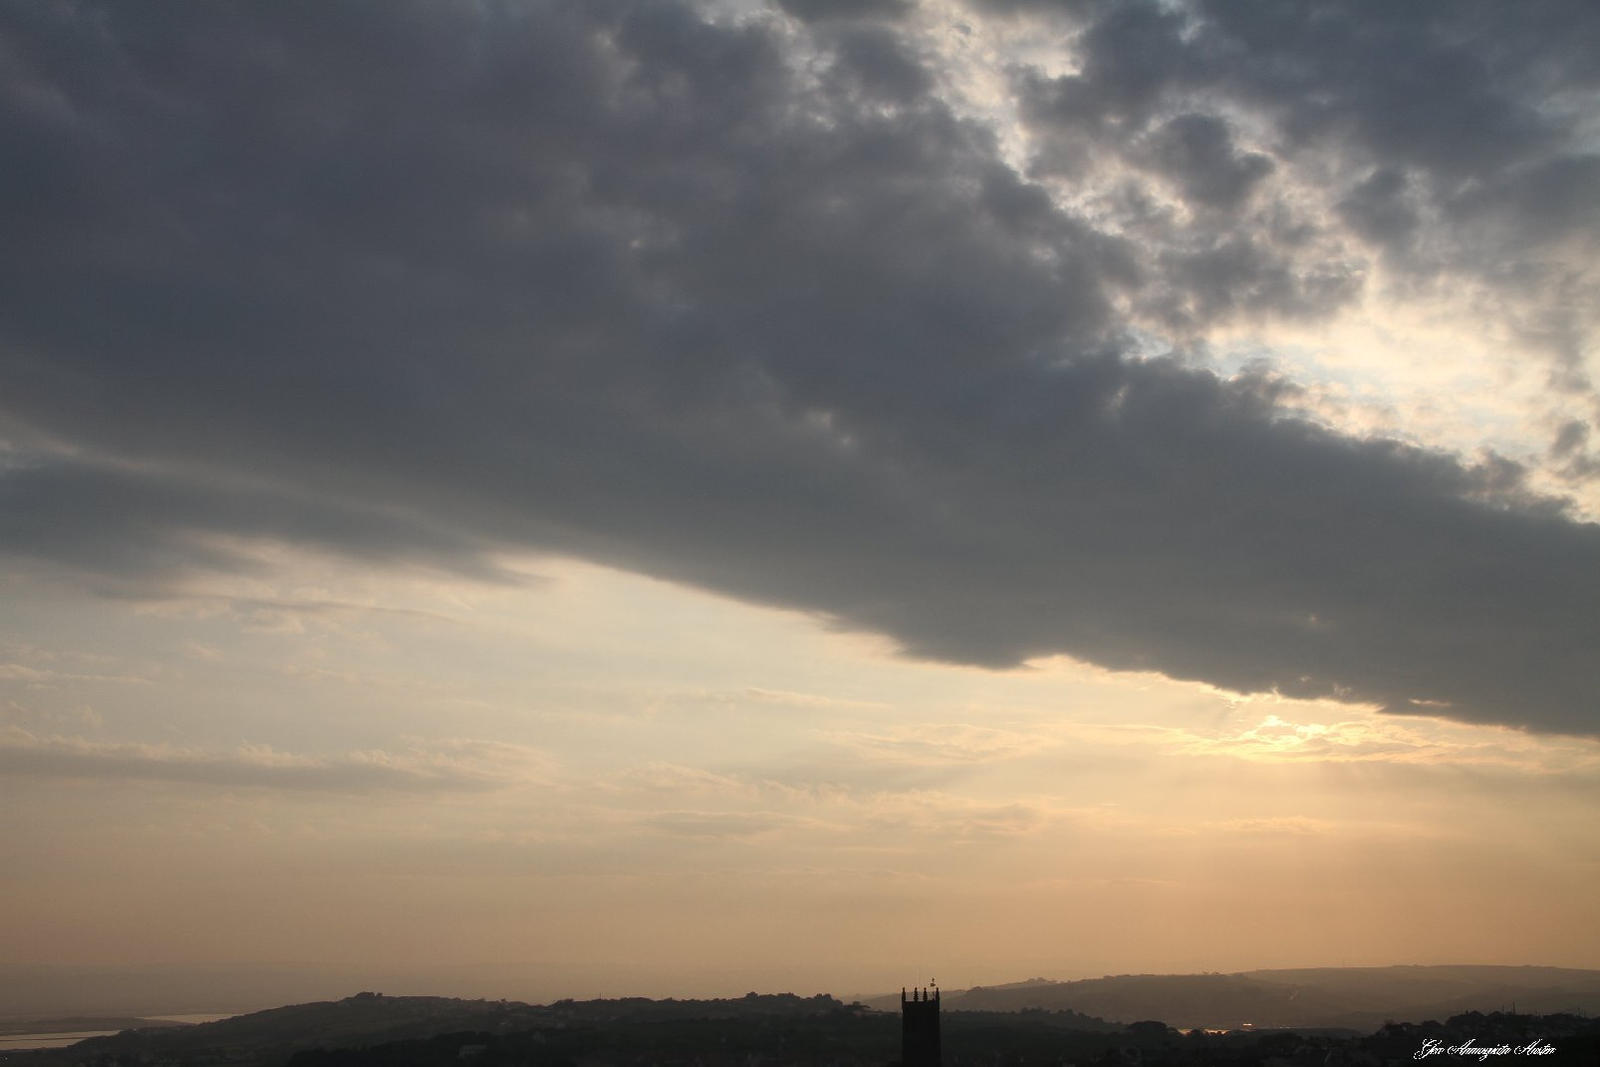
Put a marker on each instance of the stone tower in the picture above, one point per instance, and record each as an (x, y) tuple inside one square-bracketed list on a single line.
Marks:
[(919, 1028)]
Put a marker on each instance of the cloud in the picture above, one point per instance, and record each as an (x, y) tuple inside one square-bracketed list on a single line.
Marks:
[(944, 744), (1197, 151), (469, 767), (815, 10), (801, 700), (1425, 130), (951, 818), (39, 676), (1286, 825), (720, 824), (426, 282), (1362, 738), (16, 672), (672, 778), (117, 521)]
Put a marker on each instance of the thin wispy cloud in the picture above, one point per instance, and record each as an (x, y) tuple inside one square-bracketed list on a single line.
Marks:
[(1366, 739), (472, 768), (942, 744)]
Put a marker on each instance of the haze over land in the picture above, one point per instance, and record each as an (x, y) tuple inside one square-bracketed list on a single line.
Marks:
[(676, 497)]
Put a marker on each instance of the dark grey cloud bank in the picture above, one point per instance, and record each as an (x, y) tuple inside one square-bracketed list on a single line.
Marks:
[(1455, 141), (744, 305)]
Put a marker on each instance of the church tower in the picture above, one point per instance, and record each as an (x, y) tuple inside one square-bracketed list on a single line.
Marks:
[(919, 1028)]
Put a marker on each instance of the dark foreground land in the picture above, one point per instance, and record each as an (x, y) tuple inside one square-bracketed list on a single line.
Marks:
[(369, 1030)]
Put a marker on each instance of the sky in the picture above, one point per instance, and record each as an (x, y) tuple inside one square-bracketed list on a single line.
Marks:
[(571, 498)]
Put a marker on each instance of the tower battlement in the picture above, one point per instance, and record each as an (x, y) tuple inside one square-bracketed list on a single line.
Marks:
[(919, 1028)]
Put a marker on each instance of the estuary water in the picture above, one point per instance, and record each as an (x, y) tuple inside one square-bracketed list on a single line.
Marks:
[(18, 1042)]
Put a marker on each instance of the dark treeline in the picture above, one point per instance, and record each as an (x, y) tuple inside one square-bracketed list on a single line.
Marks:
[(848, 1038), (370, 1030)]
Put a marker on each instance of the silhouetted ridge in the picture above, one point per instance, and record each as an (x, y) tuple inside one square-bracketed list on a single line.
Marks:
[(419, 1031), (1346, 998)]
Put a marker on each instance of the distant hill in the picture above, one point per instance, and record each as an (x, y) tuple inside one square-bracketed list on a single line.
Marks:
[(1438, 992), (1041, 1021), (369, 1030), (270, 1037), (369, 1019), (1352, 1000), (1357, 998)]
